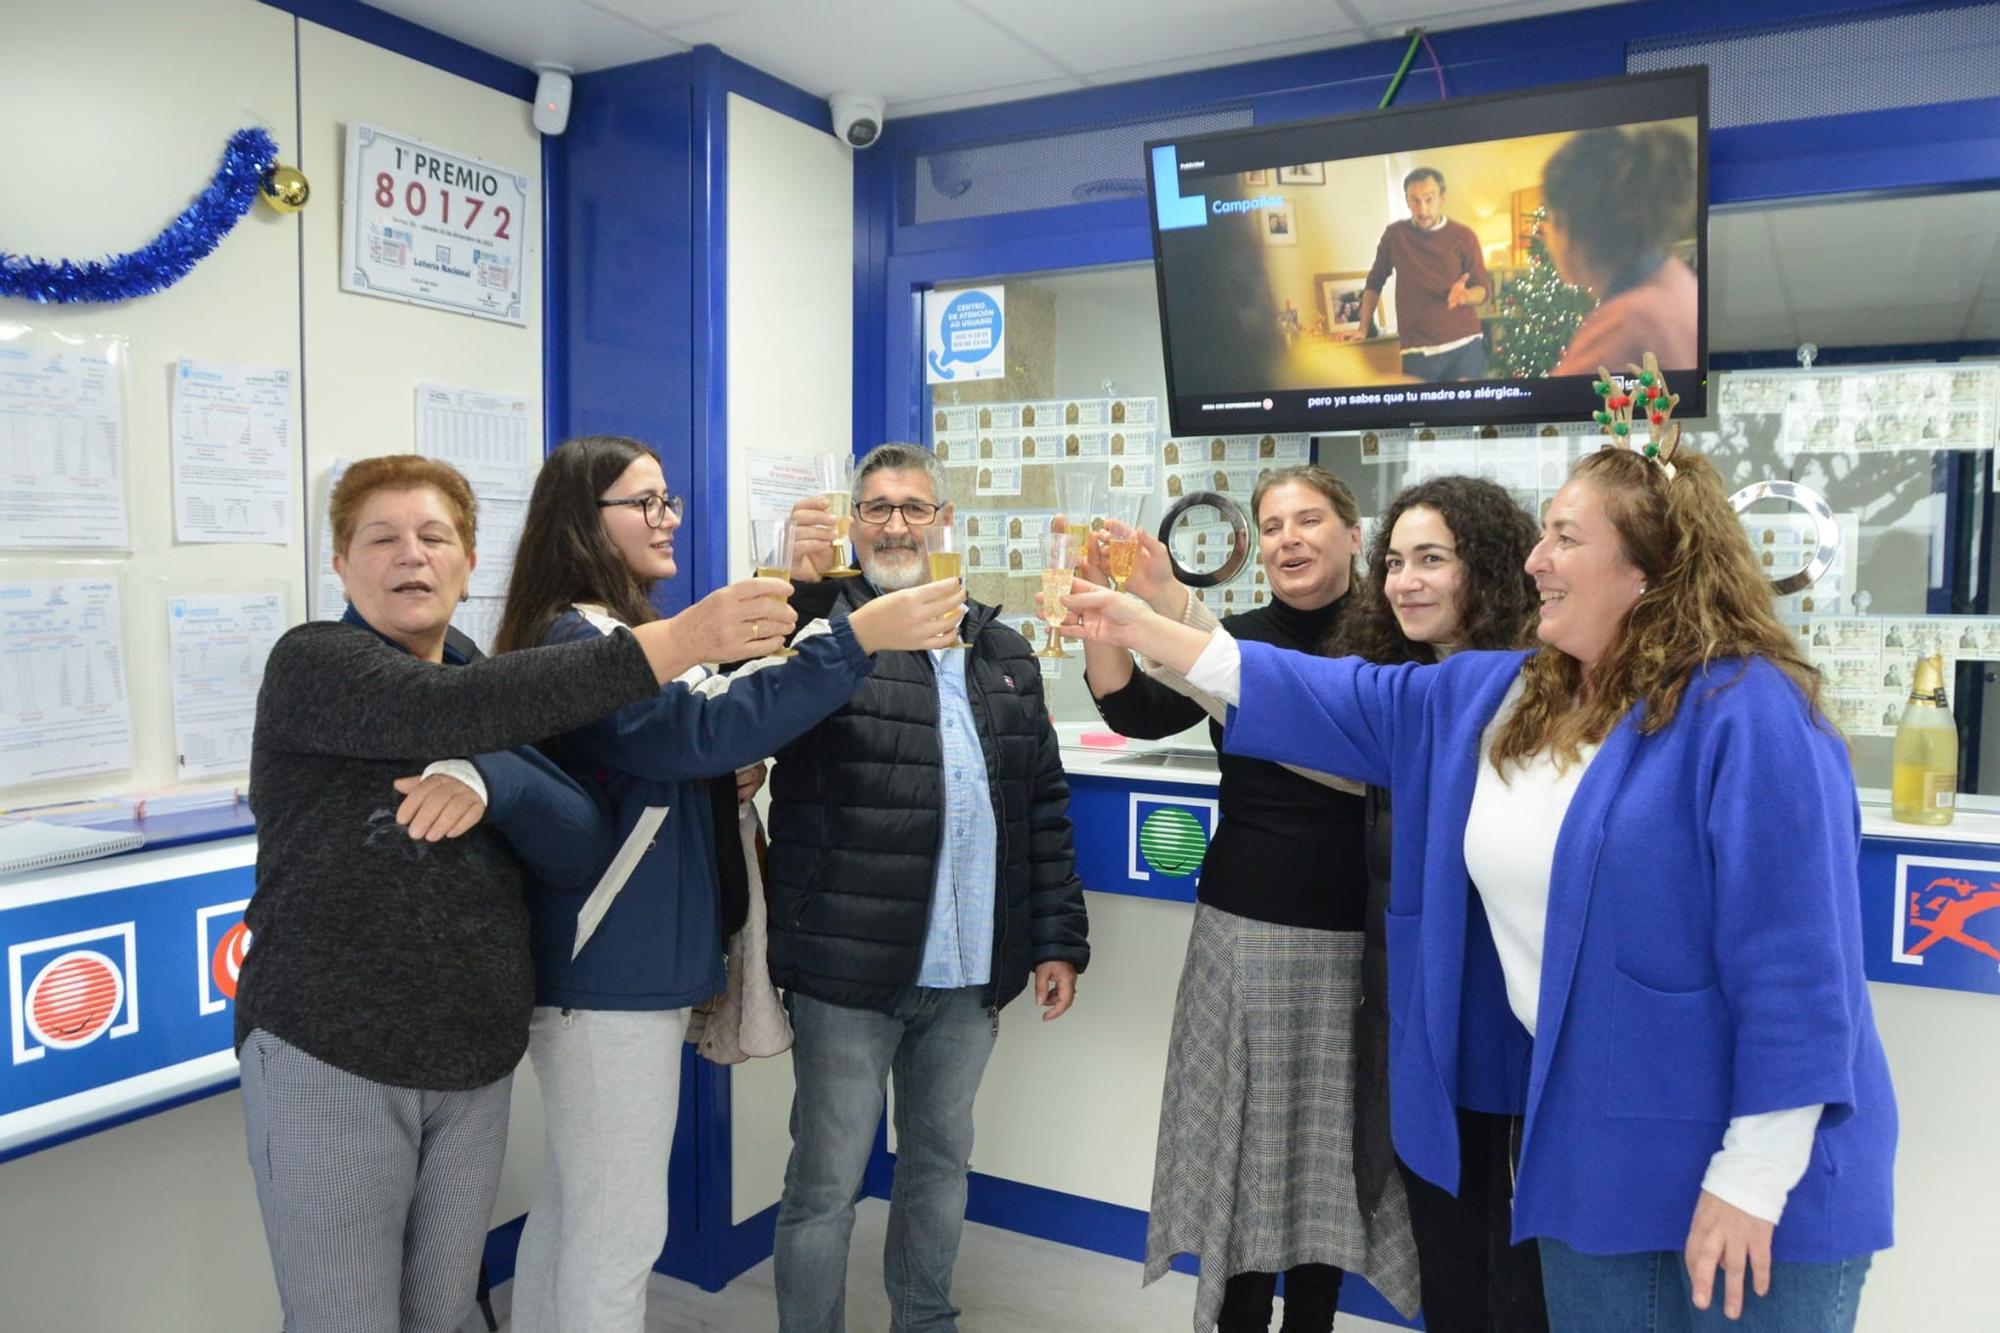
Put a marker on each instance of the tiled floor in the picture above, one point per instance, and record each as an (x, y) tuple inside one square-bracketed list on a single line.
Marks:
[(1004, 1282)]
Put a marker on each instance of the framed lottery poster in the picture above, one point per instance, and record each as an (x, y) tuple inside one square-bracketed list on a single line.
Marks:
[(432, 227)]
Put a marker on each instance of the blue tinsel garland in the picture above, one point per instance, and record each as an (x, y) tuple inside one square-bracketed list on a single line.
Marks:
[(170, 256)]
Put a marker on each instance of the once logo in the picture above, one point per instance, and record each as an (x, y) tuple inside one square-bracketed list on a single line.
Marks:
[(1172, 841), (227, 966), (1945, 910), (72, 1001)]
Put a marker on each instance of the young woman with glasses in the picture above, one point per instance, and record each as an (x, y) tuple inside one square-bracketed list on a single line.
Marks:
[(617, 971)]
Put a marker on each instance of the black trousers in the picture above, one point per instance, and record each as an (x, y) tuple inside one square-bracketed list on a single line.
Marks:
[(1473, 1279), (1312, 1292)]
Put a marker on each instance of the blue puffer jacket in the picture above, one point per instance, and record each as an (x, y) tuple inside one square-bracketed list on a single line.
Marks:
[(658, 941)]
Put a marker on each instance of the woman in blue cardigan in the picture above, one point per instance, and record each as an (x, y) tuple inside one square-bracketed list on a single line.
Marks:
[(618, 968), (1662, 830)]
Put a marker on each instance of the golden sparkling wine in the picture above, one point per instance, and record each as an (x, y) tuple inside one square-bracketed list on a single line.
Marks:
[(1120, 555), (944, 565), (1055, 594), (843, 521), (772, 572), (1923, 781)]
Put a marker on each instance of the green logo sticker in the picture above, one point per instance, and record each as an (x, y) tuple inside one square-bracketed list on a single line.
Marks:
[(1172, 842)]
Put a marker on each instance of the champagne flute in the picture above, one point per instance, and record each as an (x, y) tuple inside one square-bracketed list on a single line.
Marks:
[(1121, 553), (946, 560), (1058, 568), (836, 483), (771, 550), (1083, 493)]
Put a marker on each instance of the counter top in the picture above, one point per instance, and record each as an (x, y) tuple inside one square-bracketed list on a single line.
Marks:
[(1182, 761)]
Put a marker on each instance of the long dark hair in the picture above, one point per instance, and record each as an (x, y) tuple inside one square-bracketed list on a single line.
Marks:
[(564, 556), (1498, 606)]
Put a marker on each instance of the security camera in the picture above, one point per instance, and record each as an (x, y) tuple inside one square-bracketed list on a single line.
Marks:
[(857, 117)]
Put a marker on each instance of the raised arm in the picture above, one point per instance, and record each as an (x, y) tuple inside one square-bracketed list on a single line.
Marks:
[(1337, 714), (338, 690), (699, 725)]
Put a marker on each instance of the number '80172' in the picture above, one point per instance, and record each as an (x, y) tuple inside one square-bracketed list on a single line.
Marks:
[(417, 200)]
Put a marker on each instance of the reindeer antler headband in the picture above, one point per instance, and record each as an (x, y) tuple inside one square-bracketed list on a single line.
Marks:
[(1646, 393)]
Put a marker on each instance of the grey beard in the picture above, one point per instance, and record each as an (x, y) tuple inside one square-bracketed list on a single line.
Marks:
[(888, 580)]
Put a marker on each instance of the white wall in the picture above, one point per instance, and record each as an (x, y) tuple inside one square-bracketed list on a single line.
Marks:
[(1940, 1277), (119, 112), (790, 316), (790, 301), (117, 116)]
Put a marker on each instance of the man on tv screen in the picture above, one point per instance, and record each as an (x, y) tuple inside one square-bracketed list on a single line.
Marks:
[(1440, 282)]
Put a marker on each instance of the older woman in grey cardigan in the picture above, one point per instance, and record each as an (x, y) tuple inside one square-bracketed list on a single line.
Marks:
[(385, 1003)]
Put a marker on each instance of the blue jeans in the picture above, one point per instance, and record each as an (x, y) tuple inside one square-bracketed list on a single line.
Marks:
[(1651, 1293), (935, 1043)]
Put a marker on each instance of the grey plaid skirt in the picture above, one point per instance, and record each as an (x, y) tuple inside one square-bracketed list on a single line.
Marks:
[(1254, 1172)]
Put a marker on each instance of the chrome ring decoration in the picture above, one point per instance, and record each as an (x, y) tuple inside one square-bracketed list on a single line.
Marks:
[(1239, 539), (1826, 529)]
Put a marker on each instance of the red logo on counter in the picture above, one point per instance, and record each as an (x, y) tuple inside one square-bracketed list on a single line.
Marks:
[(221, 942), (71, 1001), (1945, 909), (228, 964), (67, 991)]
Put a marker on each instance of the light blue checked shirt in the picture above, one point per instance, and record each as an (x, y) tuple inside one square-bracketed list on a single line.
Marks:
[(958, 949)]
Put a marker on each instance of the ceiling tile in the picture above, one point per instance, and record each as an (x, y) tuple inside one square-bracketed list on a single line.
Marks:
[(906, 49), (565, 32), (1100, 38), (1405, 14), (1182, 64)]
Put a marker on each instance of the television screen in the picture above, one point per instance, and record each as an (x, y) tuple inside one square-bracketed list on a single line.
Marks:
[(1462, 262)]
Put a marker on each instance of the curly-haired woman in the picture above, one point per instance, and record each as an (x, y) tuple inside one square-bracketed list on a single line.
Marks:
[(1705, 1087)]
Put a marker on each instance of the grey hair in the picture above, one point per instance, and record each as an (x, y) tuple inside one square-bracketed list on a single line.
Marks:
[(900, 457)]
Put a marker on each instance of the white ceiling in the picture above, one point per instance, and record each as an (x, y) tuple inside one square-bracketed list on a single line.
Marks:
[(934, 55), (1856, 272), (1838, 274)]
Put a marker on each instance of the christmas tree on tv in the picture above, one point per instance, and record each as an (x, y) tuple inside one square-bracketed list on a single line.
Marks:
[(1539, 313)]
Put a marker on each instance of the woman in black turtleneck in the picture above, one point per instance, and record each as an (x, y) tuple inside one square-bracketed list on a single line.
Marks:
[(1254, 1167)]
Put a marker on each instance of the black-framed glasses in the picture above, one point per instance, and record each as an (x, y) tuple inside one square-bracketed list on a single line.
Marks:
[(653, 507), (916, 513)]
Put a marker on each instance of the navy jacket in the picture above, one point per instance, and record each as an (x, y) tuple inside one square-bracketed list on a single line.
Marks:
[(1702, 958), (660, 945)]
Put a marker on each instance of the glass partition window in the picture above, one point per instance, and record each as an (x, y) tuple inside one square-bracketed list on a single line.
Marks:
[(1900, 456)]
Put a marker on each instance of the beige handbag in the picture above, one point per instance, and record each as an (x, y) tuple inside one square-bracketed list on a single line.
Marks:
[(748, 1020)]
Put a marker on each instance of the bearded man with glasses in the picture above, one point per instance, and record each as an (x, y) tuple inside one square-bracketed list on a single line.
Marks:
[(921, 870)]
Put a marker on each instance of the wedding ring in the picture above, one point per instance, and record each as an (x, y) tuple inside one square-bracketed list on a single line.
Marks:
[(756, 629)]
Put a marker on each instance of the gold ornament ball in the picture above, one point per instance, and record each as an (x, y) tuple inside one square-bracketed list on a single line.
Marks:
[(285, 189)]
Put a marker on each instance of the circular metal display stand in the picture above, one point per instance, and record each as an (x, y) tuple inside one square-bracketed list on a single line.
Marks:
[(1826, 530), (1239, 538)]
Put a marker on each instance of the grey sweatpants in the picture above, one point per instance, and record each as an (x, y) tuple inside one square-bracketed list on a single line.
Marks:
[(376, 1200), (611, 1087)]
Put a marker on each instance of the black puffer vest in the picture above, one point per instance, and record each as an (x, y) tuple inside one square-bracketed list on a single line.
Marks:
[(857, 821)]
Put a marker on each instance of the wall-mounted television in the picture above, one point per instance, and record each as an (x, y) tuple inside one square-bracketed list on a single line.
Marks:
[(1470, 261)]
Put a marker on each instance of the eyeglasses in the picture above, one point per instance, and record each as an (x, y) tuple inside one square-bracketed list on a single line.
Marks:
[(653, 507), (916, 513)]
